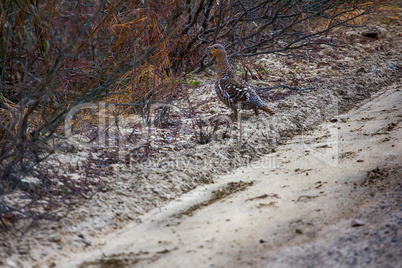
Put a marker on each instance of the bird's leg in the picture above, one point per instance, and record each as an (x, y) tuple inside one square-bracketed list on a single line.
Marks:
[(256, 112), (235, 114)]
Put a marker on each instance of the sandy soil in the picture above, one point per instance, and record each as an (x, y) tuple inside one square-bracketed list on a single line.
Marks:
[(284, 192), (297, 215)]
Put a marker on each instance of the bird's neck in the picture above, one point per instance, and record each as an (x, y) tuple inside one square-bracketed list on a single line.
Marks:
[(223, 67)]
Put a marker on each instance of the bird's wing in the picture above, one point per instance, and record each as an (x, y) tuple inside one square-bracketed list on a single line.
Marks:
[(233, 90)]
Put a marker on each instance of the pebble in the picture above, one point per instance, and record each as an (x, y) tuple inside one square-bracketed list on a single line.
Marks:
[(356, 223), (54, 239), (298, 231), (11, 263)]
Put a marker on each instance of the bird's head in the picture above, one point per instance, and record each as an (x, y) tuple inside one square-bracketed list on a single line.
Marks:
[(217, 50)]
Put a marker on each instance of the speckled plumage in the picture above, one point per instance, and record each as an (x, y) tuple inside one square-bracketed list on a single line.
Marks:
[(232, 92)]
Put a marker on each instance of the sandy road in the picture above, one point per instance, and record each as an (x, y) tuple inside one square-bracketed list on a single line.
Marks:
[(291, 208)]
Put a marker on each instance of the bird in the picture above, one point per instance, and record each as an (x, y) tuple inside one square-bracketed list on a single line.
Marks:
[(230, 90)]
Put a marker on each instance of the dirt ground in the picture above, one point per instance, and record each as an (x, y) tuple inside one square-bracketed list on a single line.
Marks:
[(316, 185), (301, 214)]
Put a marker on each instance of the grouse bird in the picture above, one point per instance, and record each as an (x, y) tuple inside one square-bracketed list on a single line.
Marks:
[(232, 92)]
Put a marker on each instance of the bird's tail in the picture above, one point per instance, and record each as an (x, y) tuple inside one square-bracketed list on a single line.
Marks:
[(267, 110)]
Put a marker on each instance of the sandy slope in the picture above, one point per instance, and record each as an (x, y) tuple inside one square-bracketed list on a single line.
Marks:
[(295, 214), (292, 207)]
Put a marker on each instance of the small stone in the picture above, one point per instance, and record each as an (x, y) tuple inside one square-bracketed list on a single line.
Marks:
[(299, 231), (262, 241), (23, 249), (54, 239), (30, 183), (373, 35), (361, 70), (357, 223), (11, 263)]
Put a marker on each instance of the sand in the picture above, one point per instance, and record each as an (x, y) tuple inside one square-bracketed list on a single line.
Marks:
[(297, 215)]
